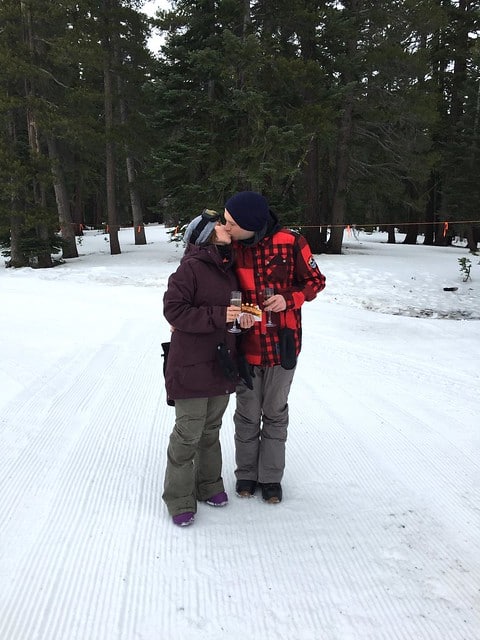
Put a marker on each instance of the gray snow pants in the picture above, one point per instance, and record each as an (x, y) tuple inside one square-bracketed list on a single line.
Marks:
[(261, 421), (194, 455)]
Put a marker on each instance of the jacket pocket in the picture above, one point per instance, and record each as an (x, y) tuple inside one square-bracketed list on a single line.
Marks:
[(277, 269), (227, 365), (288, 355), (166, 349)]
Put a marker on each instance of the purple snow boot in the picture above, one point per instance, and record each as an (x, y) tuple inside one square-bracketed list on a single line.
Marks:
[(218, 500), (184, 519)]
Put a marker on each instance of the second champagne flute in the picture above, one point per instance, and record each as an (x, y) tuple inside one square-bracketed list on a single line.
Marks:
[(268, 293), (236, 301)]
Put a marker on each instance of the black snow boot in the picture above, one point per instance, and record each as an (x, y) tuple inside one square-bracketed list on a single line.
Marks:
[(272, 492)]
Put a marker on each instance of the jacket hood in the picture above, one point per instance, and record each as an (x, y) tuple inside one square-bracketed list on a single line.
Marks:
[(272, 226), (207, 253)]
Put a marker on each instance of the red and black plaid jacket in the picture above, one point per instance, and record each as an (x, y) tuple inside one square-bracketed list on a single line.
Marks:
[(282, 260)]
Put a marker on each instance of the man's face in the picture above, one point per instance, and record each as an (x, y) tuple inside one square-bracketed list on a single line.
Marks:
[(236, 232)]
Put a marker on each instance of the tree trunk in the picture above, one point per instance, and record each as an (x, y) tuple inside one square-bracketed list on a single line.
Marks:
[(69, 244), (460, 63), (112, 214), (460, 29), (44, 255), (325, 199), (341, 178), (136, 204), (43, 259), (78, 220), (314, 231), (17, 257), (342, 160), (473, 237), (312, 205), (413, 212), (247, 19), (135, 198), (431, 209), (411, 235)]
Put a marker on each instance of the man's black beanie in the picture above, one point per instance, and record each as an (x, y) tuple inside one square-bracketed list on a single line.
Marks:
[(249, 210)]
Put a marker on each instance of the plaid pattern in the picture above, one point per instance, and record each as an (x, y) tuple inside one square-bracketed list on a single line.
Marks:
[(284, 261)]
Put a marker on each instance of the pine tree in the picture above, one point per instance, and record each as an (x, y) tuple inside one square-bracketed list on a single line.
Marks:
[(457, 73), (218, 111), (56, 57)]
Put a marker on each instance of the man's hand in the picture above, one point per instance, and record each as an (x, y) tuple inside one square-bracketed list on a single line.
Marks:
[(276, 303)]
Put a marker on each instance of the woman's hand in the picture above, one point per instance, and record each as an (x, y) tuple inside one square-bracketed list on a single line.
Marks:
[(232, 313)]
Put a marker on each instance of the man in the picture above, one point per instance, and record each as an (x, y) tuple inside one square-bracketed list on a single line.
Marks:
[(267, 255)]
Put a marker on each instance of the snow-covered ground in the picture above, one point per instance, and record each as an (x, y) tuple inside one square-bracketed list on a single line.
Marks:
[(378, 536)]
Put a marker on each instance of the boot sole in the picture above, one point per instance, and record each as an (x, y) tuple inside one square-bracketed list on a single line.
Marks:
[(244, 494)]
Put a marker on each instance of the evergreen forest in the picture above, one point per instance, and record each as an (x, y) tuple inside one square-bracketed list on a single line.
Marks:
[(359, 113)]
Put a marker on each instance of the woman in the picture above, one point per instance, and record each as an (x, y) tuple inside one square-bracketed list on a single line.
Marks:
[(196, 304)]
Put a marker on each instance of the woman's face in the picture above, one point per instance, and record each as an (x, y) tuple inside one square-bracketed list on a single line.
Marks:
[(221, 234)]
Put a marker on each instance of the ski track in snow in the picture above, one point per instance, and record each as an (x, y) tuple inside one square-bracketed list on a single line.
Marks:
[(410, 474), (103, 562)]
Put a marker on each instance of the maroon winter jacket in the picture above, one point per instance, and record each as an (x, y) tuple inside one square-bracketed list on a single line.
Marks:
[(195, 305)]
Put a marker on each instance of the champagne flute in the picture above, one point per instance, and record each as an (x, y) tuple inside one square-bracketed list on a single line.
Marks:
[(236, 301), (267, 293)]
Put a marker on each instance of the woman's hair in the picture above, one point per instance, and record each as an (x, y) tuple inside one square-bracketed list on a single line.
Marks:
[(212, 238)]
